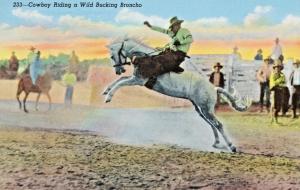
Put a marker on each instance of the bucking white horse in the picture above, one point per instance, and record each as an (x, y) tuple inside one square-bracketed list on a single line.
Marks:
[(188, 85)]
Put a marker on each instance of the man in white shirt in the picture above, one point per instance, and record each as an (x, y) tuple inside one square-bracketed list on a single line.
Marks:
[(277, 51), (295, 82)]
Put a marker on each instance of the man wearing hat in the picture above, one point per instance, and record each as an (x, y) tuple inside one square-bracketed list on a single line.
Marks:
[(279, 90), (277, 78), (295, 82), (31, 55), (172, 55), (259, 55), (277, 51), (217, 78), (36, 69)]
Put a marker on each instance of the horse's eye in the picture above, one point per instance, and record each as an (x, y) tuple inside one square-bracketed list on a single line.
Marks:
[(112, 57)]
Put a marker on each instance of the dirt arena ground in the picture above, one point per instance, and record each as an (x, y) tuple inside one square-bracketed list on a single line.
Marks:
[(42, 158)]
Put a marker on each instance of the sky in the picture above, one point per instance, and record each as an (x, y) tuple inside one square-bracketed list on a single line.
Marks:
[(216, 25)]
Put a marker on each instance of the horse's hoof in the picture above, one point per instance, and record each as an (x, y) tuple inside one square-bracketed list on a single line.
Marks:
[(233, 149), (217, 145), (107, 98), (26, 111)]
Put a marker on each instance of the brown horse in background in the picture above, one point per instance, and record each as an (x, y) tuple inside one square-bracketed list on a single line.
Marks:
[(43, 86)]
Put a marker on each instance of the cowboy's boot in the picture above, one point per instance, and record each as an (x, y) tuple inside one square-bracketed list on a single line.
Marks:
[(151, 82), (294, 114)]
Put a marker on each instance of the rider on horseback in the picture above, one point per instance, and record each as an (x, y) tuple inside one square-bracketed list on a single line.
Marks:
[(36, 68), (171, 57)]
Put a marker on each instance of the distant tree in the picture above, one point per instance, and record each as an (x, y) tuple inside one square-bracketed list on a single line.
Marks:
[(4, 63)]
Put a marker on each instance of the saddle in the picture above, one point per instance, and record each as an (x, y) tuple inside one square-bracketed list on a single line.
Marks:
[(152, 80), (153, 66)]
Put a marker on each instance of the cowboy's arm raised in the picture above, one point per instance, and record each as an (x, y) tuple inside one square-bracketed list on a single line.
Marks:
[(159, 29)]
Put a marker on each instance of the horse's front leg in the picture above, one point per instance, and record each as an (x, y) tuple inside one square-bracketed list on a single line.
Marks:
[(24, 102), (125, 82), (105, 92), (50, 101), (37, 101)]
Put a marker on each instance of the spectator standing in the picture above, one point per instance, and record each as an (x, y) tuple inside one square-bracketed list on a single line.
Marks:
[(263, 77), (13, 62), (69, 80), (277, 83), (295, 82), (217, 78), (259, 55), (236, 53), (277, 52)]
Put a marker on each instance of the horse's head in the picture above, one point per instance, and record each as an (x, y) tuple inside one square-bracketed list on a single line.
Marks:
[(127, 48), (119, 52)]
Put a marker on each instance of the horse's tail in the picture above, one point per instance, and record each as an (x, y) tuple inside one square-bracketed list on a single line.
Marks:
[(235, 101)]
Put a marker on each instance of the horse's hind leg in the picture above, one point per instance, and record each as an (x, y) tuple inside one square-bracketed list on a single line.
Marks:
[(215, 124), (37, 101), (211, 124), (50, 102), (221, 130), (219, 126), (18, 98), (19, 91), (24, 102)]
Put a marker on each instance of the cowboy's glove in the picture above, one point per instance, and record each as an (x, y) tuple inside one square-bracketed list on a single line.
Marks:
[(147, 24), (176, 43)]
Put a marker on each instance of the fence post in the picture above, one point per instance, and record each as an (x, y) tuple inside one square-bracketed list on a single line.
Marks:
[(229, 72)]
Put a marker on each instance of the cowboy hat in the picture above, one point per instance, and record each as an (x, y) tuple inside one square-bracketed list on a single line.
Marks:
[(32, 48), (174, 21), (259, 51), (218, 65), (278, 64)]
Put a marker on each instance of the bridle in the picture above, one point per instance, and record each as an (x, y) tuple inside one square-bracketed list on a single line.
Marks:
[(121, 54)]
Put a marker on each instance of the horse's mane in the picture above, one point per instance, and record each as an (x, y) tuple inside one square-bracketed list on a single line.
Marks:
[(138, 41)]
